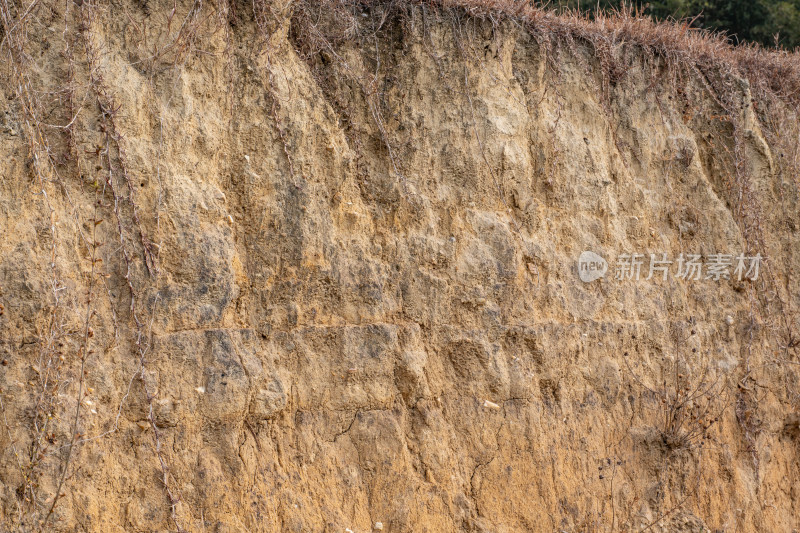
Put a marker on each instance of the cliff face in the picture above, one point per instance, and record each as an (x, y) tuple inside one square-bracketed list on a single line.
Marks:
[(307, 284)]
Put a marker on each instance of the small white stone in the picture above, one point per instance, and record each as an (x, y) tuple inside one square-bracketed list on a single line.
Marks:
[(729, 320), (490, 405), (378, 526), (247, 157), (201, 389)]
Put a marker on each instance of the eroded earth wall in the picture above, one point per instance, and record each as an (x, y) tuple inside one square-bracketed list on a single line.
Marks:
[(313, 287)]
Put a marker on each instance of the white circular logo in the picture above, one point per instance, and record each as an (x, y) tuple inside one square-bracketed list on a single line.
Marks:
[(591, 267)]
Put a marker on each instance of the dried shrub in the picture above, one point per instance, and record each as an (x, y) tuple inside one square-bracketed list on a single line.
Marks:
[(691, 393)]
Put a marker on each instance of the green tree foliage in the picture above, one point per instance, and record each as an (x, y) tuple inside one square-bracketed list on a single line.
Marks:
[(768, 22)]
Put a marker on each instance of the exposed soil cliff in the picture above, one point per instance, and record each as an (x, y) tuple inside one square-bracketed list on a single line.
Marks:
[(306, 267)]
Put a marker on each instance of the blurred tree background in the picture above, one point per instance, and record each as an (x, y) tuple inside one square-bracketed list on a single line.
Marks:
[(768, 22)]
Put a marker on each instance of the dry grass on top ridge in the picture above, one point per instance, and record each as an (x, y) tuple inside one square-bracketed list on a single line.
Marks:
[(776, 71)]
